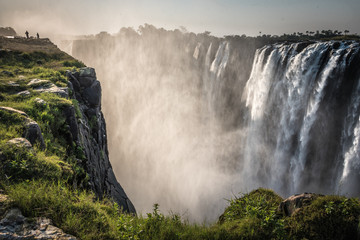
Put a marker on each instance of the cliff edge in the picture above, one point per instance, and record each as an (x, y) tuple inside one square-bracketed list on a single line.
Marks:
[(54, 160)]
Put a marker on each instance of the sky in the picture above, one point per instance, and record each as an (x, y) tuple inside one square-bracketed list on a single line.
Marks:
[(226, 17)]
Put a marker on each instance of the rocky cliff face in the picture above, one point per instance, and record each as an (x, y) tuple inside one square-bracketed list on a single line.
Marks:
[(88, 130)]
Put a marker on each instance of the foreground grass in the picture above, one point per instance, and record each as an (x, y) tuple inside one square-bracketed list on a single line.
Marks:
[(251, 216)]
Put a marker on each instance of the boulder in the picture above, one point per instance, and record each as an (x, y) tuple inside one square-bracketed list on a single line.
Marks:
[(40, 102), (52, 88), (13, 110), (38, 82), (24, 93), (13, 84), (33, 133), (92, 94), (291, 205), (15, 226), (87, 77), (20, 142)]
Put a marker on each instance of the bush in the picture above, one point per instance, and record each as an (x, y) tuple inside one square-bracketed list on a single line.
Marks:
[(327, 217), (255, 215)]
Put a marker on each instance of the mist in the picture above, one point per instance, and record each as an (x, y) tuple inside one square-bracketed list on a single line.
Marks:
[(165, 143)]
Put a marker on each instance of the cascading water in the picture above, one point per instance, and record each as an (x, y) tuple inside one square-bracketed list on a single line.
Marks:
[(292, 107), (190, 128)]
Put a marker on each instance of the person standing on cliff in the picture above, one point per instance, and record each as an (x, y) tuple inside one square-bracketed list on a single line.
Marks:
[(27, 34), (37, 35)]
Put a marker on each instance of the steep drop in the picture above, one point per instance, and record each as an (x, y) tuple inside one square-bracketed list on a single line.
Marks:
[(193, 119)]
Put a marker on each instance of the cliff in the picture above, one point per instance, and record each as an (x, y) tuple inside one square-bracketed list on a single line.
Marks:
[(53, 134), (89, 132)]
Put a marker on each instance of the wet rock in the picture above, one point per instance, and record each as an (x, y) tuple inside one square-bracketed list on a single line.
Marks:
[(20, 142), (24, 93), (292, 204)]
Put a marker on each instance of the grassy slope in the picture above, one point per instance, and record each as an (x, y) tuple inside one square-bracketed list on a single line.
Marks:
[(41, 182)]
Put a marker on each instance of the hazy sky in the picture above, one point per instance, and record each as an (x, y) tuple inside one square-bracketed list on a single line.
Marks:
[(225, 17)]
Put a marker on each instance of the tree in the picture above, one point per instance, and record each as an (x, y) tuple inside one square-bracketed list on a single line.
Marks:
[(346, 31)]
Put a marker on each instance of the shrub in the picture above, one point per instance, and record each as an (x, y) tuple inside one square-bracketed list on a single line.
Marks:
[(327, 217), (256, 214)]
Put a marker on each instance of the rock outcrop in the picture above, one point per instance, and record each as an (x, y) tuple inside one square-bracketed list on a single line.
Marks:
[(15, 226), (293, 203), (32, 130), (89, 132)]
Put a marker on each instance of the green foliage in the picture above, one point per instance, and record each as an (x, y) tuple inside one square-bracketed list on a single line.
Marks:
[(77, 108), (73, 63), (11, 125), (258, 207), (20, 164), (327, 217), (76, 212)]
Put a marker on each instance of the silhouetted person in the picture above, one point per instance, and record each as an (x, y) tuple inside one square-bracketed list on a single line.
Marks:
[(27, 34), (37, 35)]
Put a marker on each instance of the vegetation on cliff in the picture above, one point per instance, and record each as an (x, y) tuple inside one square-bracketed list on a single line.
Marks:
[(44, 177)]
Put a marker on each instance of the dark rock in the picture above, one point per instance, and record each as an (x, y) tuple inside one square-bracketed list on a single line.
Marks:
[(33, 133), (90, 132), (292, 204), (336, 45), (91, 112), (86, 77), (92, 94), (72, 122), (73, 80), (301, 46), (87, 72), (7, 73)]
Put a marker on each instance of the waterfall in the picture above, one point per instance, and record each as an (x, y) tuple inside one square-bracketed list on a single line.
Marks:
[(194, 119), (286, 99)]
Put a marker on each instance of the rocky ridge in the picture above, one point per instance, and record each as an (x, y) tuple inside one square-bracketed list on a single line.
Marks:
[(90, 133)]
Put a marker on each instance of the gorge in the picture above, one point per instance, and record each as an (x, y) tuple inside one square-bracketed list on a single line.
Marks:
[(193, 119)]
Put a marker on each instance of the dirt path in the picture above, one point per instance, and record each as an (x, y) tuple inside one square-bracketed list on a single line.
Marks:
[(28, 45)]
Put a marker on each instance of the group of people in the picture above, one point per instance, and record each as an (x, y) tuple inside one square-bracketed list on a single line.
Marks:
[(27, 35)]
